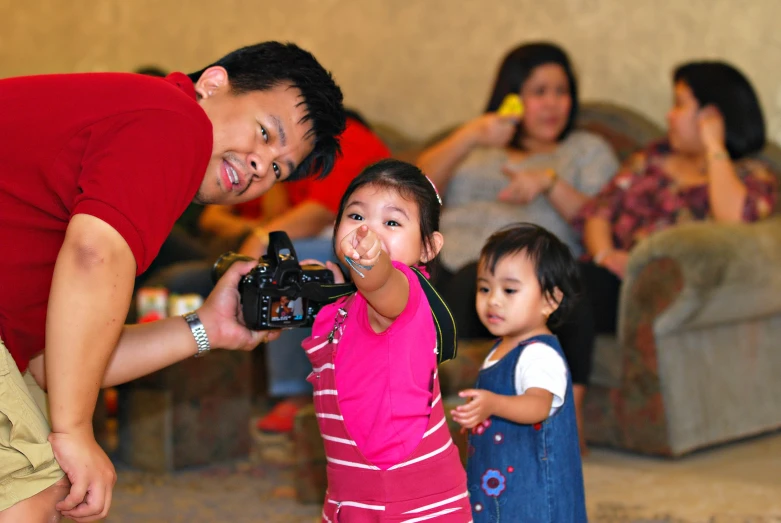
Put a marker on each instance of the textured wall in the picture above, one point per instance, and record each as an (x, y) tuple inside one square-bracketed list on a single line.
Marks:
[(418, 65)]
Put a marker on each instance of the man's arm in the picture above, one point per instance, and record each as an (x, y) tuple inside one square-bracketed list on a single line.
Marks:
[(220, 220), (149, 347), (302, 221), (89, 299)]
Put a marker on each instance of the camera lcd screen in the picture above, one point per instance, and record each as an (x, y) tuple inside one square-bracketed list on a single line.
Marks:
[(287, 311)]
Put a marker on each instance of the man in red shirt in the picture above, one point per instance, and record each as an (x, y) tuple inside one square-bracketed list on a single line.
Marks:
[(314, 204), (311, 206), (94, 170)]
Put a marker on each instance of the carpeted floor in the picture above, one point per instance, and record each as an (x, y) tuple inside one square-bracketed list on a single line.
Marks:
[(738, 483)]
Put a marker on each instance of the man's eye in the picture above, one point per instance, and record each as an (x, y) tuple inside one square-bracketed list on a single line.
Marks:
[(277, 170), (264, 134), (355, 217)]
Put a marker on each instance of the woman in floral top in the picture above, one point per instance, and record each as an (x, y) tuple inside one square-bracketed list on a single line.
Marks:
[(700, 172)]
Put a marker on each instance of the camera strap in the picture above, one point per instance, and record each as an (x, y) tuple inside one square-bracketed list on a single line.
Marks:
[(447, 338), (445, 324)]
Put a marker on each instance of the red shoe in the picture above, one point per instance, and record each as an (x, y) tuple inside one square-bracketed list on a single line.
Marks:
[(280, 419)]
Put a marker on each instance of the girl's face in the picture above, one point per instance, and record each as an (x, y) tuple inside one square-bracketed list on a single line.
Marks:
[(682, 126), (547, 101), (510, 302), (393, 218)]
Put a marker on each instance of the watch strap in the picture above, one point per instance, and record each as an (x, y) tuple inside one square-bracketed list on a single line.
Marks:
[(199, 333)]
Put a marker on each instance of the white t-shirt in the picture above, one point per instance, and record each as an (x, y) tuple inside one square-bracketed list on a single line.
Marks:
[(539, 366)]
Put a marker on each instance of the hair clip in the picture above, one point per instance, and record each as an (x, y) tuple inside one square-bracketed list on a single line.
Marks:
[(435, 189)]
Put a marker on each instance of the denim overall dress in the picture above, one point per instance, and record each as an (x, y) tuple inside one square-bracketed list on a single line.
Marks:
[(525, 473)]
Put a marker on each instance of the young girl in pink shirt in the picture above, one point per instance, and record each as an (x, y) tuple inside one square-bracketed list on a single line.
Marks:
[(376, 389)]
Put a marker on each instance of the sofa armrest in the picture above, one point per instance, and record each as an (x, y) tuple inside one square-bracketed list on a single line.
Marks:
[(705, 274)]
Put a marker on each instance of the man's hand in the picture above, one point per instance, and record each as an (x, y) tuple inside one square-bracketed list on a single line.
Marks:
[(90, 472), (222, 317), (362, 245), (479, 408), (256, 244)]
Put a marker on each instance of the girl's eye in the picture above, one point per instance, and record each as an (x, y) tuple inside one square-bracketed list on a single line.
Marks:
[(392, 223), (354, 216), (510, 291), (482, 290), (264, 134)]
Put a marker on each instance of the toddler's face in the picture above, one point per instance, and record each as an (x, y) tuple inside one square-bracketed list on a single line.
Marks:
[(510, 302)]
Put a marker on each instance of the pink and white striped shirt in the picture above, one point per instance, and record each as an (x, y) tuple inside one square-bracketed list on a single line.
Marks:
[(416, 473)]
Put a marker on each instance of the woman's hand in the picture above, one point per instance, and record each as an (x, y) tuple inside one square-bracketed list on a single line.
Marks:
[(615, 262), (712, 131), (525, 185), (492, 130)]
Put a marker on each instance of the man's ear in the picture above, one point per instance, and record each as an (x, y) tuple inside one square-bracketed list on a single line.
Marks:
[(429, 252), (213, 80), (552, 301)]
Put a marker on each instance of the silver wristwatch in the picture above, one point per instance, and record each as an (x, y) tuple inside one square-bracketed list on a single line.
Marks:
[(199, 333)]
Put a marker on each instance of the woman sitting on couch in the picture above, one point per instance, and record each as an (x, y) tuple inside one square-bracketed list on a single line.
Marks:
[(496, 170), (701, 171)]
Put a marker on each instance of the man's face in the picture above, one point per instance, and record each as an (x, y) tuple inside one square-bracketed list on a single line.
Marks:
[(258, 138)]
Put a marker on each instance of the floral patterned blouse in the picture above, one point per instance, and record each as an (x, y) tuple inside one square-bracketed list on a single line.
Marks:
[(641, 199)]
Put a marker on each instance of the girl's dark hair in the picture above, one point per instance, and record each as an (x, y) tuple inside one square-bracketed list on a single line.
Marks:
[(263, 66), (553, 262), (518, 66), (410, 182), (721, 85)]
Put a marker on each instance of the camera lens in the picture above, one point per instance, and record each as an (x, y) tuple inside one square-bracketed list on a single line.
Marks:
[(224, 262)]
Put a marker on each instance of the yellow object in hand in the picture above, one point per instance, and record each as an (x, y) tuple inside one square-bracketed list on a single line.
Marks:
[(512, 105)]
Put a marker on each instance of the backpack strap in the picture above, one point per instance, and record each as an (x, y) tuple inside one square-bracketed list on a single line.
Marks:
[(447, 338)]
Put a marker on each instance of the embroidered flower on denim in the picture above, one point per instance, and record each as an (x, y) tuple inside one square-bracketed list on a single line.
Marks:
[(493, 483), (482, 427)]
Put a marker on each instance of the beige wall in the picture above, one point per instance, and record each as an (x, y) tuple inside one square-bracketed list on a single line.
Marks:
[(418, 65)]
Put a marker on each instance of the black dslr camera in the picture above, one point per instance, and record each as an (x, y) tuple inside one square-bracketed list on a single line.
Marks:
[(279, 292)]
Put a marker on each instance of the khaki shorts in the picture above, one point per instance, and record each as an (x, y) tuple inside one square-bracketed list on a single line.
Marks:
[(27, 464)]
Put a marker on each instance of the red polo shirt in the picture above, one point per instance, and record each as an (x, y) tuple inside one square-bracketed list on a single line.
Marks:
[(129, 149)]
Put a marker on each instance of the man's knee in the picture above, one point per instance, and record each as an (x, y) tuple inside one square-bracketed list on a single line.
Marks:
[(40, 507)]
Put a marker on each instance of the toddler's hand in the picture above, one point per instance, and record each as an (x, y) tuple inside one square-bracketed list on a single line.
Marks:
[(476, 410), (362, 245)]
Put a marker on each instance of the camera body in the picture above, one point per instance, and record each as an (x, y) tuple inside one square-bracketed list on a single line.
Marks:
[(280, 293)]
